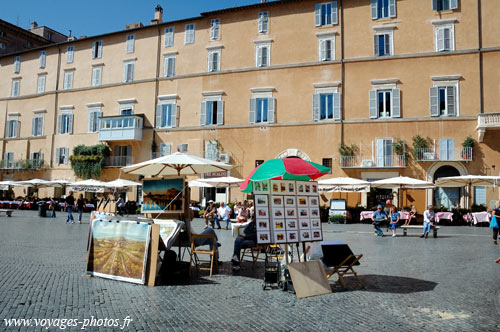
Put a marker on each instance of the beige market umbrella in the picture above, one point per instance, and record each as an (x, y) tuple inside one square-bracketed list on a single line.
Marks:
[(121, 183), (89, 185), (468, 181), (5, 185), (196, 183), (402, 182), (224, 182), (343, 184)]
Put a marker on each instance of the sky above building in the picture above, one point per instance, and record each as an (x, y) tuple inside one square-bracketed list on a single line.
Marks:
[(94, 17)]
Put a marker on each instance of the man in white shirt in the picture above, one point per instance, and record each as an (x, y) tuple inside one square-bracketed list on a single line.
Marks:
[(428, 221), (223, 213)]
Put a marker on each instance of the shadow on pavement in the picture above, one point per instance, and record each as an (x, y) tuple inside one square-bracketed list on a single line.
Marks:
[(387, 284)]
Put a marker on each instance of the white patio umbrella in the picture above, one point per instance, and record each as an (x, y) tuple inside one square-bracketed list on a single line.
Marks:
[(5, 185), (89, 185), (122, 183), (35, 183), (196, 183), (402, 182), (224, 182), (468, 181), (343, 184), (176, 164)]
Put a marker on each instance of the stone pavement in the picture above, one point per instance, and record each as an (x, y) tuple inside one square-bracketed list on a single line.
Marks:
[(446, 284)]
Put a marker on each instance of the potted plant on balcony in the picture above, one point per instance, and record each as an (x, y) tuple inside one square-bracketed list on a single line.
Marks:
[(467, 145), (347, 151), (400, 148), (420, 144), (88, 161)]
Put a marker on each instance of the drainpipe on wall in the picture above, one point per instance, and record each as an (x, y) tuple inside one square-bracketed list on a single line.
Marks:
[(157, 83), (56, 105), (480, 50), (342, 73)]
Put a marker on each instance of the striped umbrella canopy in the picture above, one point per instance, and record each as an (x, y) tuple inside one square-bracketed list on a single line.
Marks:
[(284, 169)]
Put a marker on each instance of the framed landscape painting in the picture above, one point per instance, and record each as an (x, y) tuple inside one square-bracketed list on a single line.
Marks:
[(158, 194), (119, 250)]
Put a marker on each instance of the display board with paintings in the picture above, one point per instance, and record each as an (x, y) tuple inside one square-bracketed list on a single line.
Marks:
[(287, 211)]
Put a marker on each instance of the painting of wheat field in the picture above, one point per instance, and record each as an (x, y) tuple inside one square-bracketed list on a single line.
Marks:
[(119, 250)]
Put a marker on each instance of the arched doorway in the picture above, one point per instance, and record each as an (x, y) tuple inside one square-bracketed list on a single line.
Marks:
[(447, 197)]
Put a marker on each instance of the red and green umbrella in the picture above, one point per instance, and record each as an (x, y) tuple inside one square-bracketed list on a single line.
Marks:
[(284, 169)]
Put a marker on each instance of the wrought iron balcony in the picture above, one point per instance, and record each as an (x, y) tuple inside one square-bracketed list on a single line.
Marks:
[(430, 154), (21, 165), (387, 161), (120, 128)]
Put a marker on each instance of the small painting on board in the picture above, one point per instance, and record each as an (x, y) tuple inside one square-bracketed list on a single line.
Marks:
[(280, 237), (261, 212), (314, 212), (262, 224), (278, 213), (291, 224), (317, 235), (260, 187), (315, 223), (277, 201), (261, 200), (305, 235), (304, 224), (302, 201), (313, 202), (292, 236), (279, 225), (290, 201), (290, 213), (163, 195), (263, 237), (303, 213)]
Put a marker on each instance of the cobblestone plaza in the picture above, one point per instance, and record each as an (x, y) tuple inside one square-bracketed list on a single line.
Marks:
[(446, 284)]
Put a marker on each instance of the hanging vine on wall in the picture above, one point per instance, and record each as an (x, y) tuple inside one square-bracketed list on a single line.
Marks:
[(88, 161)]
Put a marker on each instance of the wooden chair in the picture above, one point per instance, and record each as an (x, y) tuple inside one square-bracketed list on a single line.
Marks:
[(196, 251), (346, 268), (339, 256), (254, 251)]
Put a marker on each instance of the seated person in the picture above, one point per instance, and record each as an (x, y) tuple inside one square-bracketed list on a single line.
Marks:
[(205, 242), (413, 215), (394, 217), (224, 214), (243, 214), (209, 214), (247, 241)]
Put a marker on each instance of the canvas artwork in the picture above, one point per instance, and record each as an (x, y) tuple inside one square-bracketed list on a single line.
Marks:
[(119, 250), (263, 237), (261, 212), (305, 235), (290, 188), (260, 187), (277, 201), (262, 224), (315, 223), (300, 188), (278, 213), (279, 225), (314, 188), (280, 237), (302, 201), (304, 224), (158, 194), (292, 236), (169, 229), (283, 187), (313, 202), (290, 213), (317, 235), (307, 188), (261, 200), (314, 212), (291, 224), (290, 201), (303, 212), (275, 187)]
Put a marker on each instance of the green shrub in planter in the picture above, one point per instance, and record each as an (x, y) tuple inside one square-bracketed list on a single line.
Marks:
[(337, 219)]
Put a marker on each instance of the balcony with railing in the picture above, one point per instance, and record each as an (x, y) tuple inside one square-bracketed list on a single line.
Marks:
[(487, 121), (118, 161), (120, 128), (22, 165), (386, 161), (432, 154), (380, 153)]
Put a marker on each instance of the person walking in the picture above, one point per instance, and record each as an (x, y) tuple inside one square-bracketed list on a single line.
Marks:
[(70, 202), (494, 222), (377, 217), (79, 207), (428, 221), (394, 220)]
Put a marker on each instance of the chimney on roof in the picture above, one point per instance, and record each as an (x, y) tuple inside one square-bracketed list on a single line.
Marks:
[(158, 15), (34, 25)]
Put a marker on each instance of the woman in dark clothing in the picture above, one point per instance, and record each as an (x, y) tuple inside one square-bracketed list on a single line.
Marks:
[(247, 241), (79, 205)]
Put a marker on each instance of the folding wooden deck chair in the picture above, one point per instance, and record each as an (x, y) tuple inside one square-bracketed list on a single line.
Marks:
[(195, 251), (339, 256), (254, 251)]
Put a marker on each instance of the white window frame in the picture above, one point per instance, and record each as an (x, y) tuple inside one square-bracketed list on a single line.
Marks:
[(395, 96), (128, 70), (97, 49), (130, 43), (189, 33), (381, 155), (68, 79), (65, 122), (258, 56), (334, 14), (261, 93), (322, 40), (215, 97), (40, 83), (17, 64), (70, 54), (43, 59), (37, 131), (183, 147), (452, 3), (12, 131), (388, 32), (263, 22), (215, 29), (96, 76), (166, 58), (8, 158), (336, 103), (62, 154), (165, 149), (437, 30), (450, 83), (174, 116), (210, 63), (126, 105), (16, 87), (93, 122), (391, 10), (168, 36)]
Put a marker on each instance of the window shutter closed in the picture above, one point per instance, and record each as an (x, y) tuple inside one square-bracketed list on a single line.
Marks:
[(376, 45), (94, 46), (440, 39), (43, 55), (387, 45), (58, 156), (91, 122), (130, 43), (261, 22), (70, 124), (33, 127), (158, 115), (271, 103), (373, 104), (99, 49), (259, 56), (396, 103), (446, 39), (380, 152), (334, 12), (337, 105), (66, 155), (220, 112), (317, 14), (443, 149), (374, 9), (451, 149), (450, 96), (434, 101), (316, 106), (434, 4), (453, 4), (203, 113), (253, 109), (322, 50), (392, 8), (59, 124), (212, 30), (174, 115)]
